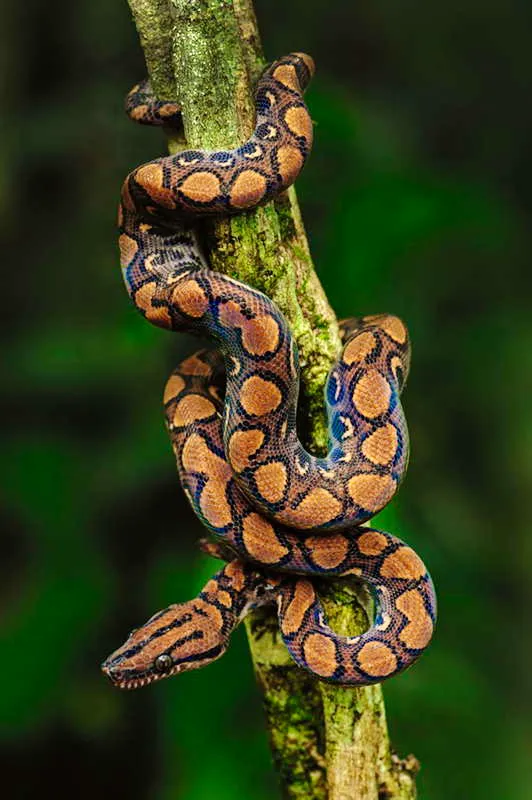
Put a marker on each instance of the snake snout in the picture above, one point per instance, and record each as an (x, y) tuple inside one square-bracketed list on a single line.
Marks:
[(110, 669)]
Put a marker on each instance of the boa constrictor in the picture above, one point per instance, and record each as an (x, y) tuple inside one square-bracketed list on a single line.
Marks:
[(280, 516)]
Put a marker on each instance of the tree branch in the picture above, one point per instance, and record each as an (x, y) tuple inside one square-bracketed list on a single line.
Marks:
[(327, 742)]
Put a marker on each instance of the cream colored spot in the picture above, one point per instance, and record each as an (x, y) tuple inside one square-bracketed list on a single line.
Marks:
[(320, 654), (201, 187), (190, 298), (174, 386), (353, 571), (236, 366), (242, 445), (261, 540), (397, 364), (248, 189), (385, 623), (372, 394), (301, 467), (418, 632), (348, 428), (381, 446), (259, 397), (272, 130), (151, 263), (255, 153), (371, 543), (271, 481), (317, 507), (377, 660), (403, 563)]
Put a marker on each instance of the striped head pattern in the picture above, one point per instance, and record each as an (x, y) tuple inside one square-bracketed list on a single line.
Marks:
[(182, 637)]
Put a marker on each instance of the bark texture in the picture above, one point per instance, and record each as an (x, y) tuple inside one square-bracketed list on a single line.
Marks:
[(327, 742)]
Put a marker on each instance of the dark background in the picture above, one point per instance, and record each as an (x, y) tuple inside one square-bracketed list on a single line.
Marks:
[(417, 201)]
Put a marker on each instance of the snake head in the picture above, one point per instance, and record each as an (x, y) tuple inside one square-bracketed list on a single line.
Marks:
[(179, 638)]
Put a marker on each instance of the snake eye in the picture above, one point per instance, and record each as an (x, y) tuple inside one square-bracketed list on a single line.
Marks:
[(163, 663)]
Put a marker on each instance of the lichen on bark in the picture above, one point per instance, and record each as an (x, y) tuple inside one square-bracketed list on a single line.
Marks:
[(327, 741)]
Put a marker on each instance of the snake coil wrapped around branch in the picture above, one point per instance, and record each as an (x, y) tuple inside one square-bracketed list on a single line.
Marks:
[(279, 515)]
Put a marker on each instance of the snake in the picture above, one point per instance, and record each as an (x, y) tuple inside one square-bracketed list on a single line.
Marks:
[(280, 516)]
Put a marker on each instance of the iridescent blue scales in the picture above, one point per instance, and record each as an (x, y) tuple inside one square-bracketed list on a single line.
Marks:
[(281, 511)]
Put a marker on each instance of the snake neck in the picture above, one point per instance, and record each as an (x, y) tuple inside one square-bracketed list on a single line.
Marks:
[(237, 589), (192, 634)]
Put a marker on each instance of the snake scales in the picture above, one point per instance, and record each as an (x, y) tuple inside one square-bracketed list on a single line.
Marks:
[(280, 516)]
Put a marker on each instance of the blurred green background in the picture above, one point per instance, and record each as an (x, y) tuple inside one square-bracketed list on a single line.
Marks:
[(417, 201)]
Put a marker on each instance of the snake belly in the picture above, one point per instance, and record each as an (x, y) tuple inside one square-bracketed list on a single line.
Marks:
[(280, 510)]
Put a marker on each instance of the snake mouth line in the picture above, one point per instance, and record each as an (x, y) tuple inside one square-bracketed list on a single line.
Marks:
[(136, 683)]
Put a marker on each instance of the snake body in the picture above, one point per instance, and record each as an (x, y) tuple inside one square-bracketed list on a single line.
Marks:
[(231, 415)]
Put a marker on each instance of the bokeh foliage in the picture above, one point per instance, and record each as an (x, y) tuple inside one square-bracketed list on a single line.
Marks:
[(416, 200)]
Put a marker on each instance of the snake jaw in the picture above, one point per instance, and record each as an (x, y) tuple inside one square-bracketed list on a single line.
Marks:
[(120, 679), (124, 673)]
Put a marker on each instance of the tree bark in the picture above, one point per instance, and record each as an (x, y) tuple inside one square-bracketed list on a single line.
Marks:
[(327, 742)]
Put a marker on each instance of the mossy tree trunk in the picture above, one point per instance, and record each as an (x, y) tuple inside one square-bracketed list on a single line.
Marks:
[(327, 742)]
